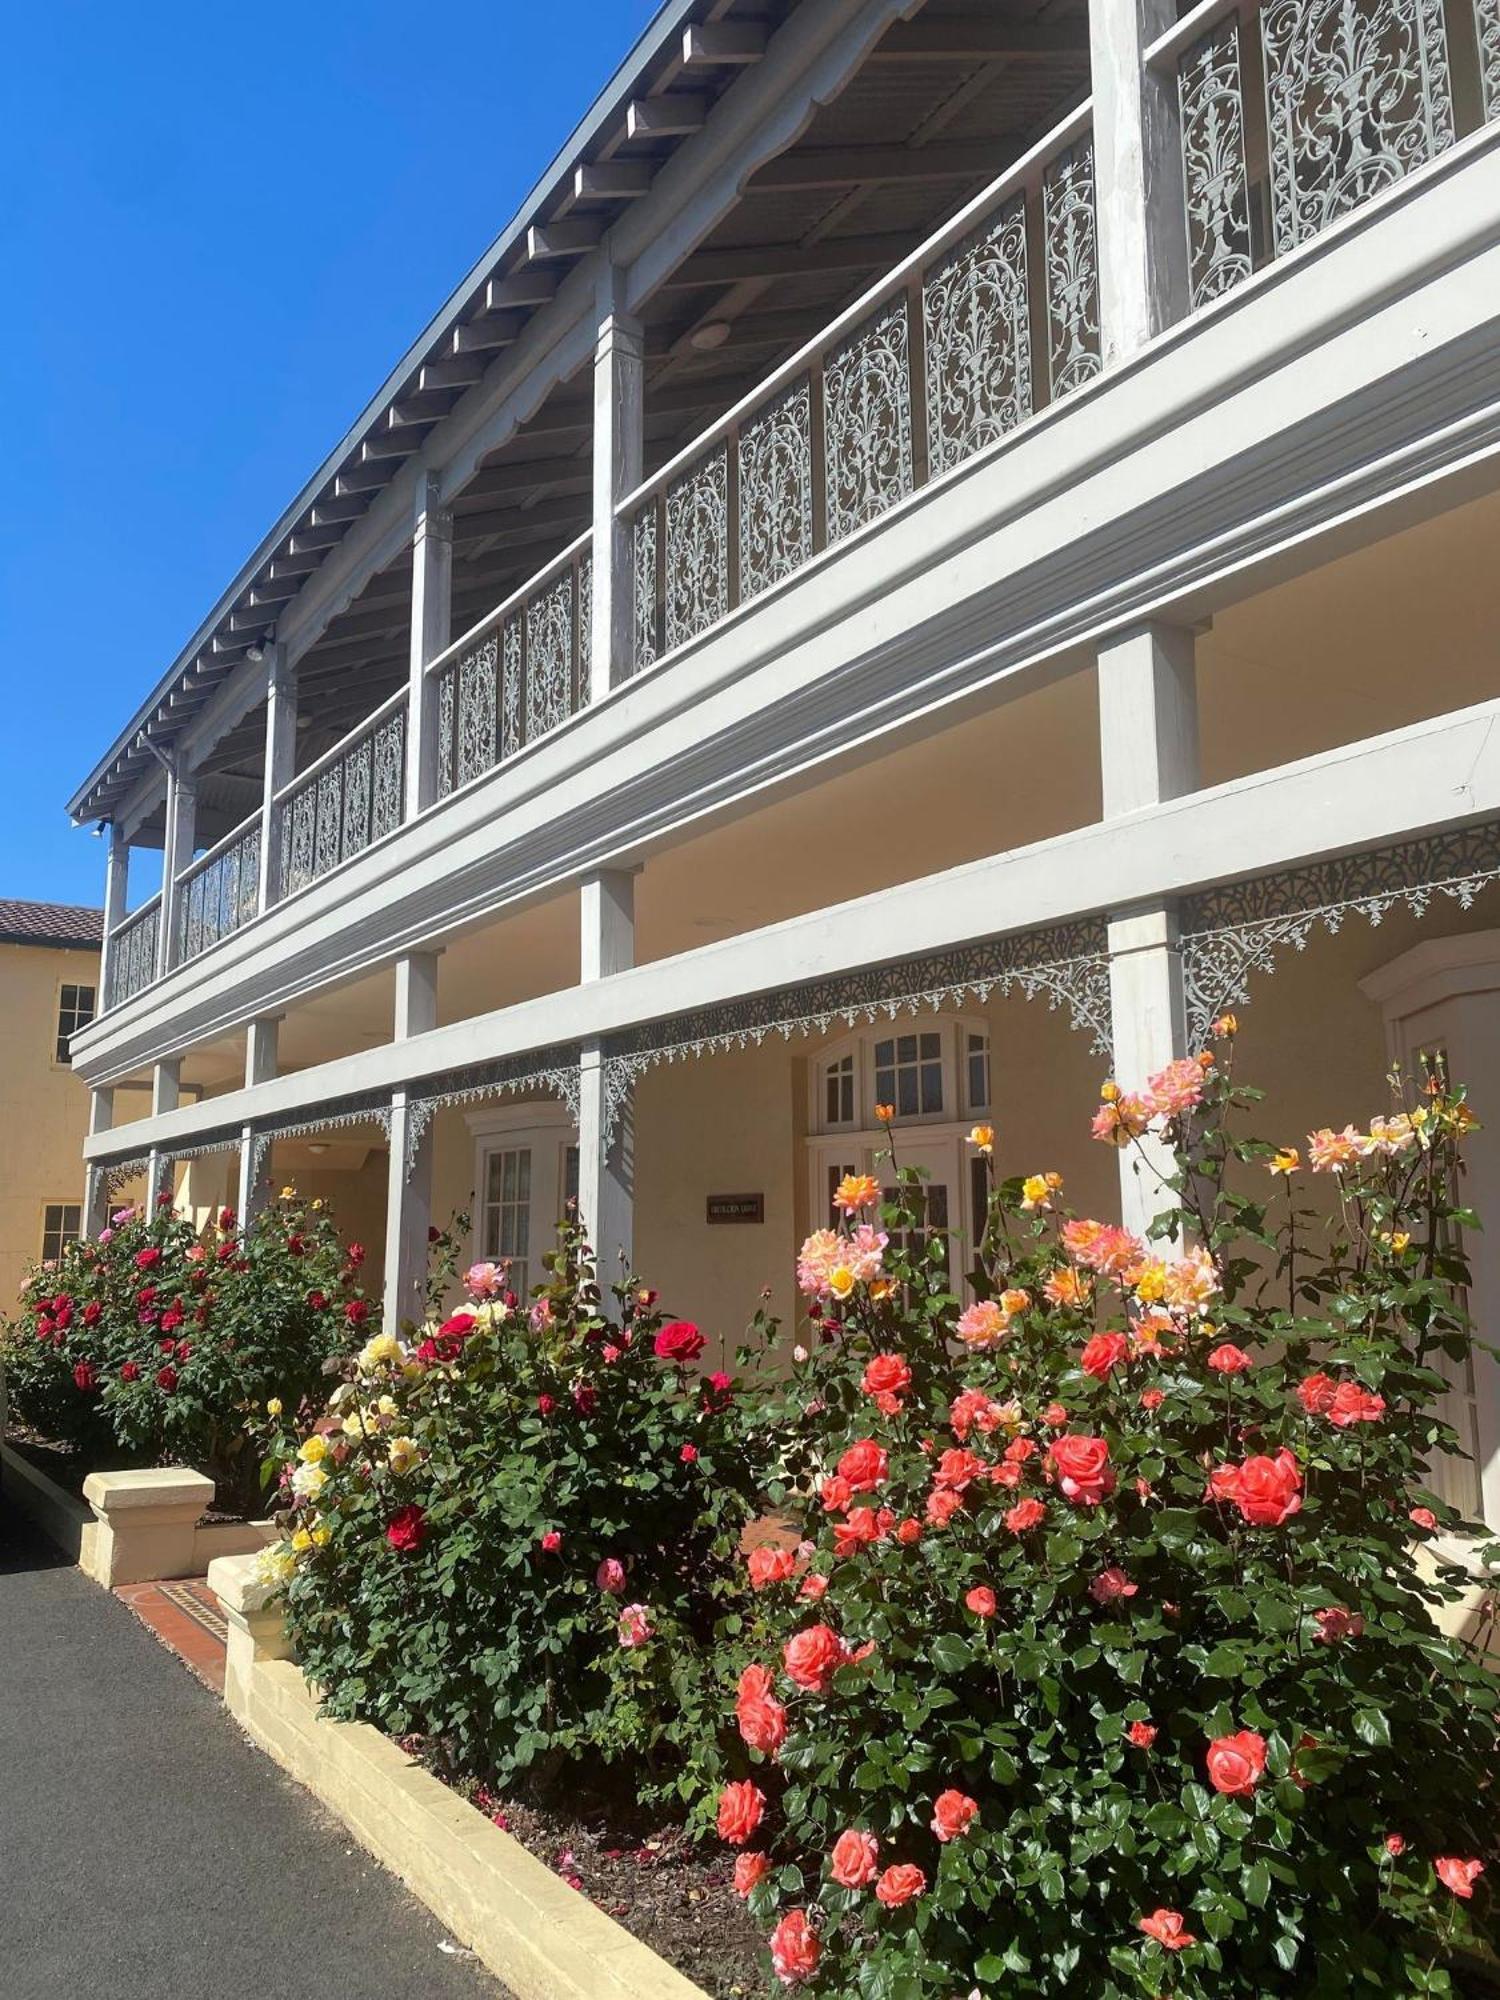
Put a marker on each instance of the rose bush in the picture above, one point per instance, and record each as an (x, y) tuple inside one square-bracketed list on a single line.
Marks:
[(154, 1344), (515, 1534), (1108, 1666)]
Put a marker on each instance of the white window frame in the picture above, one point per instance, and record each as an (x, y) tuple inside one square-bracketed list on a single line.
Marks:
[(954, 1031), (86, 985)]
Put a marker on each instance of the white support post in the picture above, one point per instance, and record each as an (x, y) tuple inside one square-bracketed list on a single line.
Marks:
[(95, 1191), (166, 1086), (261, 1039), (281, 767), (177, 852), (431, 619), (619, 392), (408, 1206), (606, 1162), (1138, 191), (1148, 743), (116, 894), (159, 1178)]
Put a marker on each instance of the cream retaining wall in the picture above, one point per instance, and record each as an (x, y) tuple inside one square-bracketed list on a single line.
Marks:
[(543, 1939), (131, 1527)]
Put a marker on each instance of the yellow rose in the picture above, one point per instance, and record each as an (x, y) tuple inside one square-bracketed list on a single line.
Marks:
[(273, 1408), (1285, 1160), (302, 1541), (982, 1138), (841, 1282), (313, 1450), (403, 1454)]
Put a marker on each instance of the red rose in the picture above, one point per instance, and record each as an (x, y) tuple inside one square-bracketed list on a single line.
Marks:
[(1395, 1845), (1354, 1405), (85, 1376), (147, 1260), (131, 1372), (585, 1399), (458, 1327), (551, 1542), (749, 1870), (1167, 1927), (899, 1884), (1316, 1393), (812, 1656), (740, 1808), (317, 1301), (545, 1405), (226, 1218), (886, 1375), (407, 1529), (1236, 1763), (1229, 1359), (863, 1466), (679, 1340), (91, 1313), (688, 1454), (952, 1814), (854, 1860), (770, 1565), (795, 1949), (355, 1254), (956, 1469), (981, 1601), (1103, 1354), (1025, 1514), (909, 1531), (1083, 1469), (1269, 1490), (1459, 1876), (357, 1311), (166, 1379), (1142, 1734)]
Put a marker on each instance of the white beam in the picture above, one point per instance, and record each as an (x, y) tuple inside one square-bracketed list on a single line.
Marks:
[(1361, 796)]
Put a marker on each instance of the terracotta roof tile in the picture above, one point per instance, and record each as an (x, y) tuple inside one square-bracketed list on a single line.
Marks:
[(50, 923)]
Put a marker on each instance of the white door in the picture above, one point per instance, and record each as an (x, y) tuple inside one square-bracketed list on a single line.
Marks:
[(525, 1174)]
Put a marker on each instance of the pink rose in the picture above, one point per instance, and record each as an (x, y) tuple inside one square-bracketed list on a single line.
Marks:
[(981, 1601), (1459, 1876), (1110, 1585), (635, 1626), (1236, 1763), (1229, 1360), (551, 1542), (1335, 1623), (610, 1576)]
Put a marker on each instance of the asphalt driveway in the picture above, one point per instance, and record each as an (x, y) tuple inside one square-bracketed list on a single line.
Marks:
[(148, 1852)]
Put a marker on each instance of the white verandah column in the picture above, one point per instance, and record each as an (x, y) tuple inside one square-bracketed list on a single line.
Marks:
[(1148, 739), (431, 620), (281, 767), (177, 852), (116, 896), (95, 1190), (408, 1199), (619, 378), (606, 1165), (261, 1038)]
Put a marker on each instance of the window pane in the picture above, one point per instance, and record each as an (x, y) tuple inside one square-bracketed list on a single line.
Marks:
[(570, 1174), (932, 1086), (932, 1048), (906, 1048), (906, 1092)]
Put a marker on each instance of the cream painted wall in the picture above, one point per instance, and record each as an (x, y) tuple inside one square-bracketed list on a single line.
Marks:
[(44, 1108)]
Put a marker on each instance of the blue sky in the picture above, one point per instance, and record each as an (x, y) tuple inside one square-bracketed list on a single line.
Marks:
[(221, 227)]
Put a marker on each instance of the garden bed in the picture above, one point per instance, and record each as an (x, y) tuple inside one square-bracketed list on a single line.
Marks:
[(648, 1875)]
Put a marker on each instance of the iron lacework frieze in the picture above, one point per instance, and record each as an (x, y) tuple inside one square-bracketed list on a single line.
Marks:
[(551, 1069), (1068, 964), (1231, 932)]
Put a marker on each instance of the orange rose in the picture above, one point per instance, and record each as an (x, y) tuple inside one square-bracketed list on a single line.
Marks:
[(740, 1808), (749, 1870), (1083, 1469), (854, 1861), (952, 1814), (863, 1466), (812, 1656), (795, 1949), (1236, 1763), (899, 1884), (1168, 1928)]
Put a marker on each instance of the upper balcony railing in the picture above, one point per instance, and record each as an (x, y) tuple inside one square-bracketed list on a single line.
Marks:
[(133, 946), (1295, 112), (219, 892), (518, 672), (1292, 113), (992, 317), (351, 797)]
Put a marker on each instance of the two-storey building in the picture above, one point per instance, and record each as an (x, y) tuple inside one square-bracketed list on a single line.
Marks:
[(942, 546)]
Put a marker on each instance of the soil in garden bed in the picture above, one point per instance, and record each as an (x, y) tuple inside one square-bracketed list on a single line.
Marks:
[(673, 1894)]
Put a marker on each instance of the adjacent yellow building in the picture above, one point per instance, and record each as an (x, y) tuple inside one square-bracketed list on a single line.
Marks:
[(49, 977)]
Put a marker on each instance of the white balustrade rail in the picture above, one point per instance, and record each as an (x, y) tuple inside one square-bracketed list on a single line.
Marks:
[(1296, 112), (351, 797), (519, 672), (132, 953), (994, 315), (219, 891)]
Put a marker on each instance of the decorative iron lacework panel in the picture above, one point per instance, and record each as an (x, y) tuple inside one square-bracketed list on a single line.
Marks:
[(367, 1108), (115, 1175), (352, 802), (867, 456), (1232, 932), (388, 798), (1071, 238), (477, 709), (585, 629), (977, 333), (1487, 27), (776, 491), (132, 956), (549, 657), (447, 681), (697, 551), (221, 896), (1068, 963), (1216, 186), (513, 690), (643, 560), (553, 1069), (1357, 95)]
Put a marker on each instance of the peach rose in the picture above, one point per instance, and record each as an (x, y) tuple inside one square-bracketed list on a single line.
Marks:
[(899, 1884), (741, 1806), (749, 1870), (952, 1814), (812, 1657), (795, 1949), (1083, 1469), (855, 1859), (863, 1466), (1236, 1763)]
